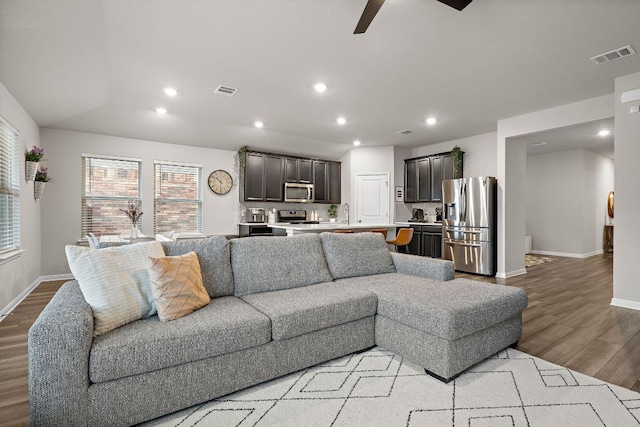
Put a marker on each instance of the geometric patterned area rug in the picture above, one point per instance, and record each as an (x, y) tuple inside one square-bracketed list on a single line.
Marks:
[(380, 388), (531, 259)]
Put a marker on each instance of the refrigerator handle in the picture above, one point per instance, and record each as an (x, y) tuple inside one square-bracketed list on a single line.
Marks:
[(463, 200)]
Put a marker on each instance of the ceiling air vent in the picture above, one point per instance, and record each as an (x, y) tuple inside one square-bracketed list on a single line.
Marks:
[(225, 90), (614, 54), (404, 132)]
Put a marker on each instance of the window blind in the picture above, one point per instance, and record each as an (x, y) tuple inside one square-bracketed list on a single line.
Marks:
[(10, 161), (108, 185), (178, 197)]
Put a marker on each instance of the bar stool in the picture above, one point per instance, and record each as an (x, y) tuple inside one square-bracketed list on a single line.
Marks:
[(344, 231), (403, 238), (382, 231)]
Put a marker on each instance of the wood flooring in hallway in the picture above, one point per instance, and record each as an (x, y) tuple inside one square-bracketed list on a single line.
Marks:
[(568, 322)]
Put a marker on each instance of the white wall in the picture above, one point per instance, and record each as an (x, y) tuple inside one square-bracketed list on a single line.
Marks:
[(18, 274), (61, 202), (368, 160), (626, 288), (566, 196), (512, 181)]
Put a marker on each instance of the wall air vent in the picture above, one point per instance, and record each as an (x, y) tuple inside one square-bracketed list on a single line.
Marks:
[(225, 90), (404, 132), (621, 52)]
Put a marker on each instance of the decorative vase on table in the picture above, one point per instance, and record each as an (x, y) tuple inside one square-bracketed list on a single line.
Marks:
[(30, 170), (134, 231), (38, 189)]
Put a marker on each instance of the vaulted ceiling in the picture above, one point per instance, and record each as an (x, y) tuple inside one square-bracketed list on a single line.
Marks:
[(101, 66)]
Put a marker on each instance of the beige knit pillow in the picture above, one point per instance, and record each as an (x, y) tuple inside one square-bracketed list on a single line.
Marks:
[(176, 283)]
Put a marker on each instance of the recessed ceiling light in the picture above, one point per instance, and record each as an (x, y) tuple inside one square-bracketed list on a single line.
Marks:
[(258, 124), (161, 110), (341, 120), (356, 142), (320, 87), (169, 91), (431, 121), (604, 132)]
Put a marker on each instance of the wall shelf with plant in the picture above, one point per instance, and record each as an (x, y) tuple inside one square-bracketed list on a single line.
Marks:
[(40, 181), (32, 159)]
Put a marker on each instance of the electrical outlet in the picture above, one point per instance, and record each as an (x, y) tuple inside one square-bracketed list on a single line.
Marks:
[(634, 109)]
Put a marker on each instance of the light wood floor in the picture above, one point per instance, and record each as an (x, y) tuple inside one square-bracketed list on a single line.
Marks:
[(568, 322)]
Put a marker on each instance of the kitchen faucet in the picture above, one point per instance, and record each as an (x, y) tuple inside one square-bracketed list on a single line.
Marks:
[(346, 211)]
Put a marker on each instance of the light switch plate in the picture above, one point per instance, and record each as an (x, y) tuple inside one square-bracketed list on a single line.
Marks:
[(634, 109)]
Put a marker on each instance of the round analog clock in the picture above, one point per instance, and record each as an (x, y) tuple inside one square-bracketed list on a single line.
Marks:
[(220, 182)]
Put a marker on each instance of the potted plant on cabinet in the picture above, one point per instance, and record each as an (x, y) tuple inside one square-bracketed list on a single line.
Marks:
[(40, 181), (457, 155), (32, 158)]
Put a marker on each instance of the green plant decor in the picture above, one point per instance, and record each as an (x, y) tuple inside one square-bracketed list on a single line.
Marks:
[(333, 211), (242, 157), (457, 154)]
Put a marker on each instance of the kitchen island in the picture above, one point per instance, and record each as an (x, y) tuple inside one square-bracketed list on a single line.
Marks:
[(284, 228)]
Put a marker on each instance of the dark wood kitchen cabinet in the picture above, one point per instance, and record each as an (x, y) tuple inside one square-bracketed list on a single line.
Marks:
[(298, 170), (423, 177), (320, 182), (263, 176), (334, 173), (410, 181), (326, 181), (266, 173)]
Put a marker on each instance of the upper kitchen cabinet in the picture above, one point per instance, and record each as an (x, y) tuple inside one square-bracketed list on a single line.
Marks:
[(320, 181), (298, 170), (334, 173), (326, 182), (263, 177), (423, 177), (266, 173)]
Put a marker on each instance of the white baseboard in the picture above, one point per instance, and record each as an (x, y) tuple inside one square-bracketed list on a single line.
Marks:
[(634, 305), (567, 254), (513, 273), (17, 300)]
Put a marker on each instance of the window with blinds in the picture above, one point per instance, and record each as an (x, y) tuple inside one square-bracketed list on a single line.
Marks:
[(178, 197), (10, 161), (108, 185)]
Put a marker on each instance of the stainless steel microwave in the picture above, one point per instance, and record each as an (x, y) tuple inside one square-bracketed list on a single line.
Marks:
[(300, 193)]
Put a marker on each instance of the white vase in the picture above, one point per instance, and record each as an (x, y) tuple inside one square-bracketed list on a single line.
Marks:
[(134, 231), (38, 189), (30, 170)]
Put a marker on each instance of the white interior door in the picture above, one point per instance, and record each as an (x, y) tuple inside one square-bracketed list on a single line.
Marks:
[(372, 198)]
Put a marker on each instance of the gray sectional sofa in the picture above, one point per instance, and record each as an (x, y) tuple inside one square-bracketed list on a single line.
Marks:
[(279, 304)]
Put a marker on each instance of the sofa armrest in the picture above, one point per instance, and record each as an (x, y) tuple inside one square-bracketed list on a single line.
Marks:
[(432, 268), (59, 345)]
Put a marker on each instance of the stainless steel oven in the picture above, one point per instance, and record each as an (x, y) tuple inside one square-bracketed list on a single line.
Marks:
[(299, 193)]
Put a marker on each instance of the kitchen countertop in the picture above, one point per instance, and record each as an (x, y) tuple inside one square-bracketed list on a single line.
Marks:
[(323, 226), (407, 223)]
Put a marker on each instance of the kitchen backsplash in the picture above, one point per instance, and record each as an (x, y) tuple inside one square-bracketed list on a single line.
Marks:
[(404, 211), (322, 208)]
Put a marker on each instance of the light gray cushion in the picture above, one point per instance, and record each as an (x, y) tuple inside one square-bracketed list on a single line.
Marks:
[(214, 259), (432, 268), (451, 309), (298, 311), (357, 254), (225, 325), (262, 264)]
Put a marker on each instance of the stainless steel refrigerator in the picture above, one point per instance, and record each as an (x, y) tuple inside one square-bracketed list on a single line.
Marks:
[(469, 224)]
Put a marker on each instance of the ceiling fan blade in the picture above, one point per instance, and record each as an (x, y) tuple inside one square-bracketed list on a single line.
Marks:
[(368, 14), (456, 4)]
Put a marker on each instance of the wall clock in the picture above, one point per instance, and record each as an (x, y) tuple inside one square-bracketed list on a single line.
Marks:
[(220, 182)]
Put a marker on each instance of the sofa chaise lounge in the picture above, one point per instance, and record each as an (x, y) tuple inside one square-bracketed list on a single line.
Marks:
[(278, 304)]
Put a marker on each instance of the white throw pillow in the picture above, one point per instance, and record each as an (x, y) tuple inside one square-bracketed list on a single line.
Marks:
[(115, 282)]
